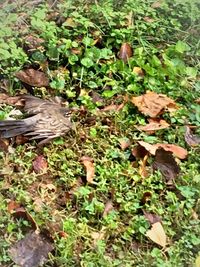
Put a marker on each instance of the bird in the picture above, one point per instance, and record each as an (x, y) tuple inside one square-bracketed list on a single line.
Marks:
[(45, 121)]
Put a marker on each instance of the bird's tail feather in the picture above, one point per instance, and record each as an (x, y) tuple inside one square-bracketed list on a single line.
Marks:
[(11, 128)]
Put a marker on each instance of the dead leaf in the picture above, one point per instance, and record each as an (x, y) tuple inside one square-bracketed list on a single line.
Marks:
[(153, 104), (153, 125), (190, 138), (4, 145), (156, 4), (157, 234), (142, 169), (33, 77), (148, 19), (70, 23), (178, 151), (21, 139), (76, 51), (108, 208), (124, 143), (20, 212), (165, 162), (33, 42), (31, 251), (96, 98), (3, 98), (197, 101), (125, 52), (40, 164), (90, 170), (139, 151), (12, 206), (113, 107), (152, 218), (138, 71), (130, 20), (97, 236)]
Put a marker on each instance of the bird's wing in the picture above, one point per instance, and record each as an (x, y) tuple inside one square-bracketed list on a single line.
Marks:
[(11, 128), (34, 105)]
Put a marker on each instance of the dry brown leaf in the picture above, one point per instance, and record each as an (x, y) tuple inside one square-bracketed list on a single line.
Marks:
[(142, 169), (33, 77), (148, 19), (40, 164), (156, 4), (139, 151), (130, 19), (124, 143), (165, 162), (113, 107), (20, 212), (190, 138), (178, 151), (153, 125), (197, 101), (108, 208), (90, 169), (4, 145), (32, 250), (153, 104), (157, 234), (152, 218), (138, 71), (97, 236), (33, 42), (125, 52), (12, 206)]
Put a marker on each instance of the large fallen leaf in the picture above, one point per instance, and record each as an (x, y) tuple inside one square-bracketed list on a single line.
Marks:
[(153, 104), (154, 125), (190, 138), (90, 170), (125, 52), (178, 151), (165, 162), (33, 77), (157, 234), (31, 251)]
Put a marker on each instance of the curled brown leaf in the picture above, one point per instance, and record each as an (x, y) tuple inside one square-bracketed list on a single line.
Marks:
[(190, 138), (90, 169), (125, 52)]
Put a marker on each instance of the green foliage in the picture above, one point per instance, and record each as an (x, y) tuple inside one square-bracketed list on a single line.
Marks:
[(81, 46)]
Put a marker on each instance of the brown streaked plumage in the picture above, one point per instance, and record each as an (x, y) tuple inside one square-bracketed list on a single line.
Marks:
[(47, 121)]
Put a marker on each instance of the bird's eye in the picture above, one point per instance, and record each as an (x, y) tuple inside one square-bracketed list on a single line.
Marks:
[(68, 113)]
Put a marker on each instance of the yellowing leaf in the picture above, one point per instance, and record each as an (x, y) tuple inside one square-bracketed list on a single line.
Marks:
[(90, 170), (157, 234)]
